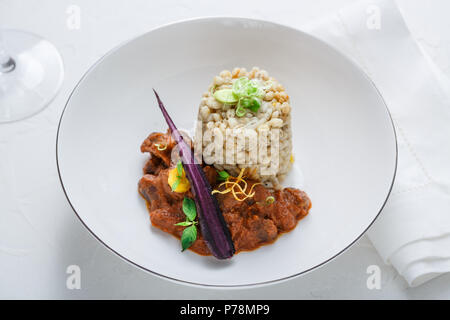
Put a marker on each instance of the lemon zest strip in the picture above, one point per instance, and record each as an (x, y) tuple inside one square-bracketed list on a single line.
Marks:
[(234, 182)]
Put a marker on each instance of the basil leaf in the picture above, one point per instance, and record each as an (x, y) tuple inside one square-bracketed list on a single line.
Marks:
[(223, 175), (189, 209), (175, 184), (184, 223), (180, 169), (188, 237)]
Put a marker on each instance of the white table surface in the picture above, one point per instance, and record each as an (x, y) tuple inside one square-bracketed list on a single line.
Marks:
[(40, 236)]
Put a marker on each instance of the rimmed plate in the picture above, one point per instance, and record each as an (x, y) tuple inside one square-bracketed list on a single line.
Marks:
[(343, 137)]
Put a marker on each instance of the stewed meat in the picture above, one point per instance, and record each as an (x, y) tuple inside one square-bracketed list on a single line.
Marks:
[(252, 222)]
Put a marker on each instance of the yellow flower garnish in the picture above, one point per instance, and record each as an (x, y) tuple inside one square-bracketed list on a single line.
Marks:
[(292, 158), (177, 179)]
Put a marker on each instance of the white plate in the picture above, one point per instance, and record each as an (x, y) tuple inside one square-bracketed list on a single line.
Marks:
[(343, 138)]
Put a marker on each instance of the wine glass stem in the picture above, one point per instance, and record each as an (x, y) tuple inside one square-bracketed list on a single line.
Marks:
[(7, 63)]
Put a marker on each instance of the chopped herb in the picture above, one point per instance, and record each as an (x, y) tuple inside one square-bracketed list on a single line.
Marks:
[(254, 104), (244, 87), (246, 94), (245, 102), (223, 175), (240, 111)]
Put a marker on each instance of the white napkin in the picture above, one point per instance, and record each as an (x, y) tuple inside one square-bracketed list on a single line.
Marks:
[(413, 231)]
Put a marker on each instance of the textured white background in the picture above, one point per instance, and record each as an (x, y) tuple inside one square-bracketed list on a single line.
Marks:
[(40, 235)]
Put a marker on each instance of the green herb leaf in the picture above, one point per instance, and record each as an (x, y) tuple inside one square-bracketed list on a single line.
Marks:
[(253, 88), (189, 209), (184, 223), (223, 175), (249, 93), (255, 104), (188, 237), (245, 102), (180, 169), (175, 184)]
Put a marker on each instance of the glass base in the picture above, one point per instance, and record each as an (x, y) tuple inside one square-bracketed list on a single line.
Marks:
[(35, 79)]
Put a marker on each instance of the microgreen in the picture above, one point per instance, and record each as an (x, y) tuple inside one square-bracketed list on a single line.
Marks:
[(244, 87), (246, 94), (188, 237), (223, 175), (190, 232)]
